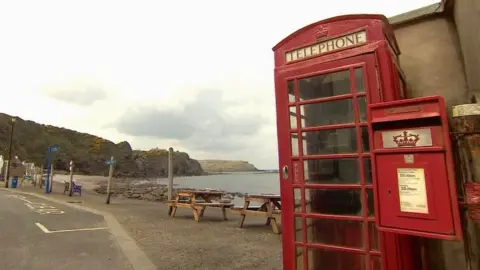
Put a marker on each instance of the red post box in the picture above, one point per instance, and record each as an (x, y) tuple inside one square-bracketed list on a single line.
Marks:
[(414, 184)]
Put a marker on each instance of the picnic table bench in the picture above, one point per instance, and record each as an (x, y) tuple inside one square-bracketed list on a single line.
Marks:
[(75, 188), (198, 201), (26, 178), (270, 208)]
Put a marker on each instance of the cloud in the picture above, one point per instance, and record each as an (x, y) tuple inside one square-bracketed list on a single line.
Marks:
[(151, 122), (207, 123), (79, 91)]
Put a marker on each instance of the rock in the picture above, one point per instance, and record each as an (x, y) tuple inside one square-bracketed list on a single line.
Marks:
[(102, 189), (141, 191), (152, 192), (148, 197)]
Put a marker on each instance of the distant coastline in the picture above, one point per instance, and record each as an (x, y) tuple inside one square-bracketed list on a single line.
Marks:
[(245, 172), (215, 166), (269, 171)]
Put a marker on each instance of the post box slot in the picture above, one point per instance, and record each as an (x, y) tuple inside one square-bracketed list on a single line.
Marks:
[(406, 110), (431, 121)]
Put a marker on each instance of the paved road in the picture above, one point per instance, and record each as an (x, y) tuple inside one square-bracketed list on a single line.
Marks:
[(37, 234)]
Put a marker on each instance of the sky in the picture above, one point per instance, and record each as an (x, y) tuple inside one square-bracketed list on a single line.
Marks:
[(193, 75)]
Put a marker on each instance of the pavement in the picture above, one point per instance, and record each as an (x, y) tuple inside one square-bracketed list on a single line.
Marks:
[(39, 234), (151, 239)]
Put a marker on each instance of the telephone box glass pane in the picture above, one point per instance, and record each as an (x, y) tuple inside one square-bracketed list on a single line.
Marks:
[(325, 85), (300, 265), (345, 233), (331, 171), (294, 144), (335, 141), (370, 204), (374, 236), (298, 229), (367, 171), (291, 92), (365, 139), (297, 200), (362, 109), (359, 80), (293, 117), (328, 113), (334, 260), (345, 202)]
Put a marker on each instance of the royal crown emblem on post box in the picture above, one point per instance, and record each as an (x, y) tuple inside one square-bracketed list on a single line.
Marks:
[(406, 139)]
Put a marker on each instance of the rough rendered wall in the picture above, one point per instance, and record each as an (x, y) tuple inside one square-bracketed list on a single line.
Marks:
[(431, 59), (467, 20), (432, 62)]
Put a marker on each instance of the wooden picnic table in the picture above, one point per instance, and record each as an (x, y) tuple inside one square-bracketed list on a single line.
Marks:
[(198, 201), (270, 208)]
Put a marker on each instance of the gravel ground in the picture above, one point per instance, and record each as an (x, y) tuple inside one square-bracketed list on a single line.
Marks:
[(182, 243)]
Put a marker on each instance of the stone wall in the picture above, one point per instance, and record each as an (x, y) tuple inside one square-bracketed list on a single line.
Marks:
[(466, 14), (431, 59)]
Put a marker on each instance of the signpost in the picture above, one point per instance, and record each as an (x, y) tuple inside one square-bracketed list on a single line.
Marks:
[(51, 149), (71, 179), (51, 177), (111, 163), (170, 177), (170, 173)]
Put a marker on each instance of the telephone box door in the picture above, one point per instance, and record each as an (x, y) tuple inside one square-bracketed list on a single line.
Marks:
[(326, 181)]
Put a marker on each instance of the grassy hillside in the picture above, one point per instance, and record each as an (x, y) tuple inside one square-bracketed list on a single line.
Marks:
[(217, 166), (89, 152)]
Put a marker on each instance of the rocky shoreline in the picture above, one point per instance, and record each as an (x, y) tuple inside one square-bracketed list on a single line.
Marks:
[(131, 189)]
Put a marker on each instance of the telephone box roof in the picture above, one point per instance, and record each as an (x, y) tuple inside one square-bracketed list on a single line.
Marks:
[(388, 27)]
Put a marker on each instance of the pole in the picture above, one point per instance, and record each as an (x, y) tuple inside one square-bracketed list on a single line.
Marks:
[(170, 173), (6, 172), (170, 178), (35, 176), (2, 168), (41, 176), (9, 153), (51, 178), (71, 179), (47, 181), (110, 174)]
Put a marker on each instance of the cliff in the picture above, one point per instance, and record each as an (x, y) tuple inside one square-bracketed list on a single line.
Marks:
[(218, 166), (89, 152)]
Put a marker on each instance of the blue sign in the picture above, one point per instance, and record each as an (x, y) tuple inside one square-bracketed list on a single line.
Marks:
[(48, 185), (110, 162)]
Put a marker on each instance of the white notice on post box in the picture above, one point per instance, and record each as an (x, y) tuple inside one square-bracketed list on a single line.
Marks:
[(412, 191)]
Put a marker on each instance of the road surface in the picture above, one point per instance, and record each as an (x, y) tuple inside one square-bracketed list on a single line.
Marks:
[(37, 234)]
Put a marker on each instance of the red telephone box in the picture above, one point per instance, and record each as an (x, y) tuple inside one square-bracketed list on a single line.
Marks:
[(413, 168), (326, 74)]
